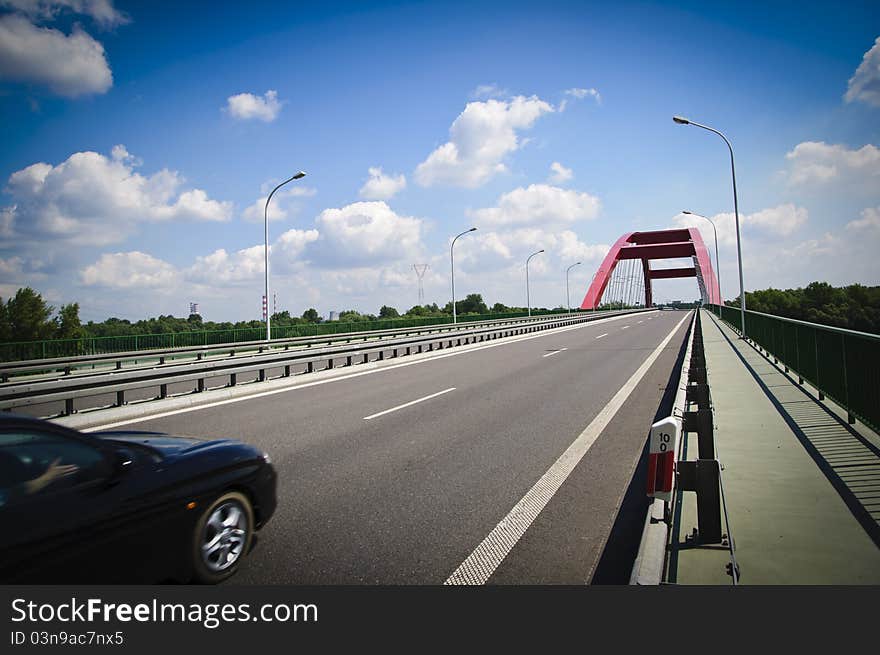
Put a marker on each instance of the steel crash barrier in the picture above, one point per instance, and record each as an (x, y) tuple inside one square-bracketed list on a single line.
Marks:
[(107, 345), (70, 389), (70, 365), (842, 364), (670, 473)]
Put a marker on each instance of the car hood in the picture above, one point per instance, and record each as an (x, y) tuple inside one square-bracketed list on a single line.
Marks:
[(166, 445)]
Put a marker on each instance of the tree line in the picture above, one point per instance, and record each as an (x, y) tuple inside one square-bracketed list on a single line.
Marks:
[(854, 307), (28, 317)]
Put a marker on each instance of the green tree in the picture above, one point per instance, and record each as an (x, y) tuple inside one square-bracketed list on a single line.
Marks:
[(5, 328), (28, 316), (311, 315), (67, 323), (388, 312), (500, 308)]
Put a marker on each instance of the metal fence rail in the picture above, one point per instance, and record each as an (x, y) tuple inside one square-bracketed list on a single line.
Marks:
[(842, 364), (56, 348), (69, 365)]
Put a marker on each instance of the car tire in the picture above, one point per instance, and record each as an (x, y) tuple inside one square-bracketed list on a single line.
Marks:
[(222, 538)]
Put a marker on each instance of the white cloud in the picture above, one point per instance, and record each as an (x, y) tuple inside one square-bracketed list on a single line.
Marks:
[(488, 91), (221, 268), (815, 162), (129, 270), (381, 186), (482, 136), (247, 106), (69, 65), (102, 11), (783, 220), (560, 174), (580, 94), (870, 220), (539, 204), (278, 209), (90, 199), (364, 233), (864, 85)]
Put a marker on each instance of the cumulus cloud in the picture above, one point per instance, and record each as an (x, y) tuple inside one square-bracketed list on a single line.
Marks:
[(280, 208), (365, 233), (870, 220), (783, 220), (129, 270), (579, 94), (488, 91), (68, 64), (539, 204), (381, 186), (247, 106), (91, 199), (482, 136), (559, 174), (816, 162), (864, 85)]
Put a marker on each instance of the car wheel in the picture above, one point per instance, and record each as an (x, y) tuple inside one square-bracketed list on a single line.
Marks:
[(222, 537)]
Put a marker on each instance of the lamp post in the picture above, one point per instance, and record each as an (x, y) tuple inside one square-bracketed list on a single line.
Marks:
[(452, 267), (742, 293), (298, 176), (567, 295), (528, 296), (717, 265)]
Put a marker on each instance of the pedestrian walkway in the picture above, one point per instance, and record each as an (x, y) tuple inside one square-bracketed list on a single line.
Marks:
[(801, 488)]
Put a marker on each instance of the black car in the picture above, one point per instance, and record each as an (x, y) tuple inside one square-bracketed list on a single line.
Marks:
[(114, 507)]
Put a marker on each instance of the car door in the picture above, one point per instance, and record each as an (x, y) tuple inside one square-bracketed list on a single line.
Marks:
[(57, 494)]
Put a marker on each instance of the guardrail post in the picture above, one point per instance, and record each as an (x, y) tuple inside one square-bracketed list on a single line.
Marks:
[(163, 391), (262, 375), (310, 367), (118, 365), (200, 384), (68, 406), (703, 476), (330, 363), (120, 398), (366, 358), (348, 361)]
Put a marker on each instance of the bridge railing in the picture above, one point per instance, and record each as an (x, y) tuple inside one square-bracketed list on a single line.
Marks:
[(842, 364), (55, 348)]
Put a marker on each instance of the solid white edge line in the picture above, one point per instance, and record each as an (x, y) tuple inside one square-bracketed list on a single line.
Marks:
[(555, 352), (412, 402), (602, 335), (625, 327), (463, 351), (478, 567)]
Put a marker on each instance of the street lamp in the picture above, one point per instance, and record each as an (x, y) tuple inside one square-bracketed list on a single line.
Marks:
[(298, 176), (717, 265), (452, 267), (742, 293), (567, 295), (528, 297)]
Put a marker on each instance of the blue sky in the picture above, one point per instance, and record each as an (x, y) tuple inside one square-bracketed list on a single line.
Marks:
[(140, 138)]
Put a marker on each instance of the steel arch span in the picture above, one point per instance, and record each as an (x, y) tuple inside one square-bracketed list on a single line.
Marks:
[(660, 244)]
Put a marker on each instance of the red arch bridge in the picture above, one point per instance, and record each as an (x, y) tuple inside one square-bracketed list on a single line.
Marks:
[(642, 247)]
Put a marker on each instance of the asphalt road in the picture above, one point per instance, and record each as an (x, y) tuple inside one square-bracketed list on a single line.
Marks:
[(405, 496)]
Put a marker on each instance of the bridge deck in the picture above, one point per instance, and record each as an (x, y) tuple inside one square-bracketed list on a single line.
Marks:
[(802, 488)]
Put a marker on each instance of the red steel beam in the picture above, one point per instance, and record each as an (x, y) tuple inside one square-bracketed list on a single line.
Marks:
[(668, 273)]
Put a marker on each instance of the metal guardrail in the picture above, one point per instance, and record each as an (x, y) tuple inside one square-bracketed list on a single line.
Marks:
[(668, 472), (842, 364), (67, 365), (69, 389), (651, 558), (55, 348)]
